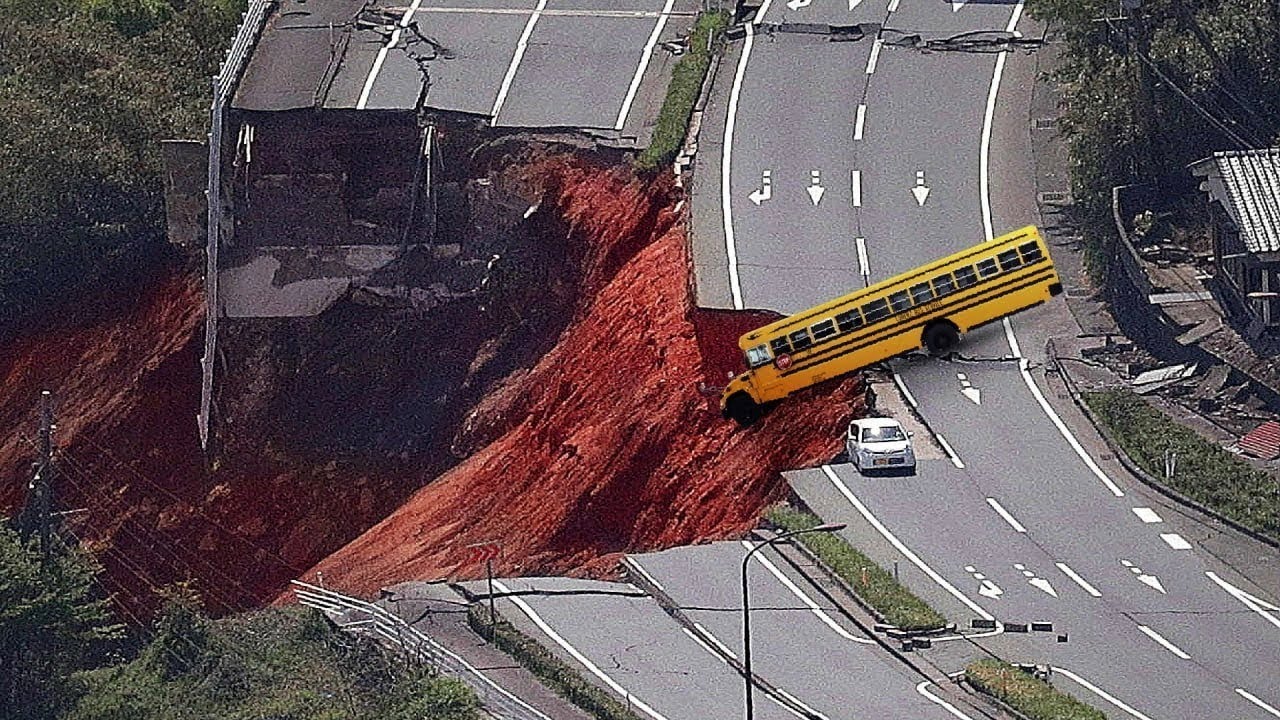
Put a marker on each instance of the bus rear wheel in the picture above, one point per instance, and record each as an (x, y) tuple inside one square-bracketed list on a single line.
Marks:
[(742, 409), (941, 338)]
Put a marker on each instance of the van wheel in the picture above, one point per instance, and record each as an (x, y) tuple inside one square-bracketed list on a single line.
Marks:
[(742, 409), (941, 338)]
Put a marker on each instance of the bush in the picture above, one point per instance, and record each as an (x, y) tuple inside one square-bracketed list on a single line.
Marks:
[(869, 581), (682, 93), (1204, 472), (1034, 698)]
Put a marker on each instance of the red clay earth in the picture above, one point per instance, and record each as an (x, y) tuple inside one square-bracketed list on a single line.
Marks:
[(611, 442)]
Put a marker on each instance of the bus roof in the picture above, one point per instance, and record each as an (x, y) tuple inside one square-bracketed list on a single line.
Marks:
[(804, 317)]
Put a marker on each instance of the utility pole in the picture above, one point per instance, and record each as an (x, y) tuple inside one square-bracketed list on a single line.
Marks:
[(37, 514)]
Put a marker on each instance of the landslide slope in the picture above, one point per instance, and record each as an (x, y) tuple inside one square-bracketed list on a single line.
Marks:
[(610, 442), (605, 443)]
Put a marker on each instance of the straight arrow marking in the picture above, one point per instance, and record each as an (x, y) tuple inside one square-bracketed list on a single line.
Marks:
[(815, 186), (921, 191), (968, 389)]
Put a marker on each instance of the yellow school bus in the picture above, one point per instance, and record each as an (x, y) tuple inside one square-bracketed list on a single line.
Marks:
[(929, 307)]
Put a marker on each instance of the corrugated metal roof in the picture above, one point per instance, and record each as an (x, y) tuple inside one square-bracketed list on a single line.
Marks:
[(1263, 441), (1252, 183)]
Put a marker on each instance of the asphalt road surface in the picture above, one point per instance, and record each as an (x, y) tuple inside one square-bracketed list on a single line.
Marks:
[(918, 151)]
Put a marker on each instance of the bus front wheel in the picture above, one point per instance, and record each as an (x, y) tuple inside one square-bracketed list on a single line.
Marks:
[(742, 409), (941, 338)]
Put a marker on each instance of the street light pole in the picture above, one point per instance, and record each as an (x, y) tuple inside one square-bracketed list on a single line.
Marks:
[(746, 606)]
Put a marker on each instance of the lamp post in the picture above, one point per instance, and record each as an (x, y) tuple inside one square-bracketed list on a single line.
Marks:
[(746, 607)]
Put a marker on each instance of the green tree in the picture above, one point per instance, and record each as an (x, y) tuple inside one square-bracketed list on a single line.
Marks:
[(51, 624)]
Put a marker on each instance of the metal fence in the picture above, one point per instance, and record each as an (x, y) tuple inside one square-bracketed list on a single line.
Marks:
[(354, 614), (224, 84)]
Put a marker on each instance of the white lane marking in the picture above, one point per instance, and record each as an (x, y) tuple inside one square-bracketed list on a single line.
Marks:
[(694, 636), (893, 5), (950, 451), (645, 56), (902, 388), (731, 250), (1079, 580), (551, 12), (864, 265), (382, 55), (1163, 643), (875, 55), (640, 569), (859, 120), (804, 598), (1257, 701), (521, 45), (1147, 515), (807, 708), (1100, 693), (1251, 602), (715, 641), (855, 187), (1057, 421), (995, 505), (923, 689), (1175, 541), (573, 652), (984, 181), (906, 552)]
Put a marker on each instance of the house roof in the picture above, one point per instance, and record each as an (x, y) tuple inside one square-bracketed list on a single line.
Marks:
[(1247, 184)]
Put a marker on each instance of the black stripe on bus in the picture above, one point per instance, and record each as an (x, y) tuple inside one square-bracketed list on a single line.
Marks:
[(931, 269), (901, 327)]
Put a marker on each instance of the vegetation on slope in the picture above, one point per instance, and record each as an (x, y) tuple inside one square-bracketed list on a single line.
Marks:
[(1148, 95), (682, 93), (87, 89), (1204, 471)]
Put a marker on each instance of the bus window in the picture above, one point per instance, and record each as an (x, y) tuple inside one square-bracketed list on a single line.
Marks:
[(921, 294), (900, 301), (823, 330), (943, 285), (987, 268), (1031, 253), (849, 320), (875, 310), (965, 276), (1009, 260), (800, 339), (780, 346), (758, 355)]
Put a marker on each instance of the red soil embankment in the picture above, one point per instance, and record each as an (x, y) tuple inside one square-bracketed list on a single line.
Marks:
[(607, 444)]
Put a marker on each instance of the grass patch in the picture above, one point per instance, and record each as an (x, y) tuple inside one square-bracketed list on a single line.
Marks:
[(274, 663), (1205, 472), (682, 93), (1035, 698), (557, 675), (869, 581)]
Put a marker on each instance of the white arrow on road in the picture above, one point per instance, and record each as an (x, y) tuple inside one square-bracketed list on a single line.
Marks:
[(1035, 581), (921, 191), (986, 588), (990, 589), (766, 188), (1150, 581), (854, 3), (797, 4), (815, 186), (957, 4), (969, 390)]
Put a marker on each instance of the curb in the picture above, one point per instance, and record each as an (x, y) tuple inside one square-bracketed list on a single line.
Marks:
[(1105, 433)]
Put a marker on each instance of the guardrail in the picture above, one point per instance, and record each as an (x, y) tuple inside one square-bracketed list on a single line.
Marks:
[(224, 83), (354, 614)]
